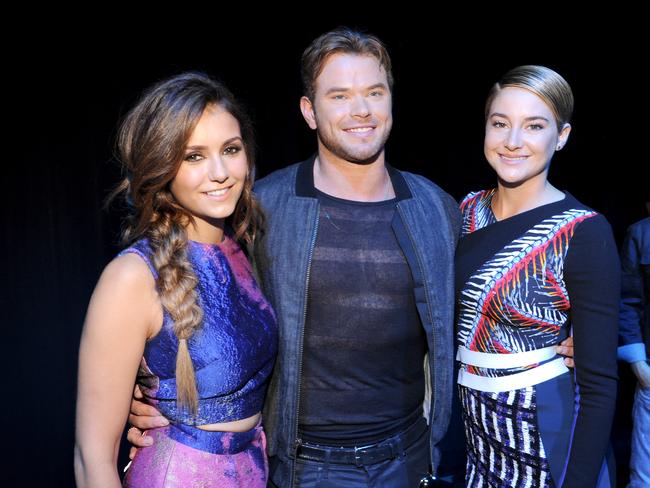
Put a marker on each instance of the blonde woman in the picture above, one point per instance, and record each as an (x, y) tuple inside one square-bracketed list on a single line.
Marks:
[(533, 266)]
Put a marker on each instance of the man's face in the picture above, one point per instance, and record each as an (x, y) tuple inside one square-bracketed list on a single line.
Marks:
[(352, 108)]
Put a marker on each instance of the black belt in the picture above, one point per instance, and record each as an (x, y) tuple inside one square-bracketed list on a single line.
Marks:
[(365, 455)]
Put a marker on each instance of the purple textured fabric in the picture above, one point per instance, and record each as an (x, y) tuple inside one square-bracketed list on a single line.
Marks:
[(239, 461)]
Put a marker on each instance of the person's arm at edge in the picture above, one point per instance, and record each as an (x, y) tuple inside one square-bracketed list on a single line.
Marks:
[(631, 346)]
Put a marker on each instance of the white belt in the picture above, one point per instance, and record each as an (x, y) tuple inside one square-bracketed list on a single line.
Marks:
[(503, 361), (515, 381)]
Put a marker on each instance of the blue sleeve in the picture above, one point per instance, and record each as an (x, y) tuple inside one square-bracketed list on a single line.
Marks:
[(631, 346)]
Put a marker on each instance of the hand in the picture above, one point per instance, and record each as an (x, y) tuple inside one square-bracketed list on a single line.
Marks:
[(142, 416), (565, 348), (138, 438), (642, 371)]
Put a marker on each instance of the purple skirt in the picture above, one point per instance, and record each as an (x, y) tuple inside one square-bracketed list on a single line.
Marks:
[(184, 456)]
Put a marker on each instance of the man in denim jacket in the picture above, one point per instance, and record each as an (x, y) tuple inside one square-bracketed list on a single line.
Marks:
[(357, 260)]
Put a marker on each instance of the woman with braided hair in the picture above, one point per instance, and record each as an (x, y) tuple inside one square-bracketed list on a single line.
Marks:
[(178, 311)]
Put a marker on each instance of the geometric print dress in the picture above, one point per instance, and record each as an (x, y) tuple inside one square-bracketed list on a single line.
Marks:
[(513, 297)]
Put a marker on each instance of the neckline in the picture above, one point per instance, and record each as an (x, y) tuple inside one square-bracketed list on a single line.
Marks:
[(304, 181), (223, 243), (353, 202), (488, 205)]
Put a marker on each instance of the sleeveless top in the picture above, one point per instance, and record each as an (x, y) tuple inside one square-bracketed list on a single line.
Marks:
[(233, 350)]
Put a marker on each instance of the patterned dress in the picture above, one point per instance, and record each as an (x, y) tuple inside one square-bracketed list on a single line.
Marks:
[(522, 284)]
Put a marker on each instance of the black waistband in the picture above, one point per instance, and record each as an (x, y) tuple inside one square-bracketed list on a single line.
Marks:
[(389, 448)]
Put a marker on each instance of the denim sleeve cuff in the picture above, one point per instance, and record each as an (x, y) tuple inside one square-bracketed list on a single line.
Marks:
[(632, 353)]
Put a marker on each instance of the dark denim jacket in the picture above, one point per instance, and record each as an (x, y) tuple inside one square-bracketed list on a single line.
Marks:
[(426, 225)]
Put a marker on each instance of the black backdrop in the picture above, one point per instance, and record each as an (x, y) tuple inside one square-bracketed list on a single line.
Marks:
[(65, 95)]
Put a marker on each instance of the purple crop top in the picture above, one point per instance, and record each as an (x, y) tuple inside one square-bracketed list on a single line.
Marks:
[(233, 351)]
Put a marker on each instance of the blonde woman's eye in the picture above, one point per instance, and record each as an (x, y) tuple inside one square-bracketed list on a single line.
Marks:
[(230, 150)]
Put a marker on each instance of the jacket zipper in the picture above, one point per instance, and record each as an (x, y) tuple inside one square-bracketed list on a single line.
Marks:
[(298, 441), (426, 292)]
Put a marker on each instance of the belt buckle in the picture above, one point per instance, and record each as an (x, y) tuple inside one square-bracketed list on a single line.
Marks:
[(357, 456), (359, 451)]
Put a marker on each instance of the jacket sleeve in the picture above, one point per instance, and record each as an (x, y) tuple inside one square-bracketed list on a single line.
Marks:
[(631, 347)]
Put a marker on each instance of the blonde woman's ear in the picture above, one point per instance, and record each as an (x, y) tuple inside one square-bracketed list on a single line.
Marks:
[(563, 136)]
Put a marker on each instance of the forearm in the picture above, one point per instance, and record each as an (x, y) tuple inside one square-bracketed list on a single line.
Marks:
[(641, 370), (95, 470)]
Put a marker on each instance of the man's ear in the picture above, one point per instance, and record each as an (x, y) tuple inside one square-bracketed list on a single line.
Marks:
[(307, 110)]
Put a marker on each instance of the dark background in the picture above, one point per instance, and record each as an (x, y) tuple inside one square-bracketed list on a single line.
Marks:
[(64, 96)]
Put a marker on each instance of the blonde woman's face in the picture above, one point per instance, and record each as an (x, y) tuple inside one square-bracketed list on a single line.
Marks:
[(521, 136), (211, 177)]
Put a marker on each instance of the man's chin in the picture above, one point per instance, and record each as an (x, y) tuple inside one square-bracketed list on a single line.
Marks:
[(356, 154), (365, 158)]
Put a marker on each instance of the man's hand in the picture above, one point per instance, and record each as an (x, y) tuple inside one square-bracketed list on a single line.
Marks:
[(642, 371), (565, 348), (142, 416)]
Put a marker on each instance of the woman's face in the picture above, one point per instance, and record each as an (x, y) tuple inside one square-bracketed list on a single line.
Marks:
[(521, 136), (211, 177)]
